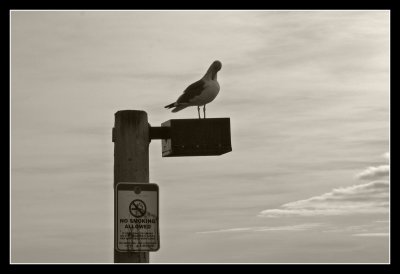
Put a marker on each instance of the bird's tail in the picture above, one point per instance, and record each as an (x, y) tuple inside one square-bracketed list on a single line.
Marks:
[(178, 108), (170, 105)]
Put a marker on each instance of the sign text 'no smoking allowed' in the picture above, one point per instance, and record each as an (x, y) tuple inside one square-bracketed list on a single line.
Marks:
[(137, 227)]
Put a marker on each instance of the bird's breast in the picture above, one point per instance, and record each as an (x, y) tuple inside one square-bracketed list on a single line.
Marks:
[(210, 91)]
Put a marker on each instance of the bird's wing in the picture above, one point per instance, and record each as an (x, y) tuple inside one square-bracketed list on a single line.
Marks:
[(191, 91)]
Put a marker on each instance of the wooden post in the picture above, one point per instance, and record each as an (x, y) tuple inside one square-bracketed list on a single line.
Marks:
[(131, 163)]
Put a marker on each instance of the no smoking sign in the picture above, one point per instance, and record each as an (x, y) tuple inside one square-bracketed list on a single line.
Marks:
[(136, 217), (137, 208)]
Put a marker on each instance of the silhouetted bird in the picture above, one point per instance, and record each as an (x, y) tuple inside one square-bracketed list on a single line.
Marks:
[(201, 92)]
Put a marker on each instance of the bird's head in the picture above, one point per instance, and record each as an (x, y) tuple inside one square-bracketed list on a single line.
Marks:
[(214, 68), (216, 65)]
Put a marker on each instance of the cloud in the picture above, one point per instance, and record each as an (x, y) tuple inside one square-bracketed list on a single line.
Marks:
[(385, 234), (358, 199), (300, 227), (372, 173)]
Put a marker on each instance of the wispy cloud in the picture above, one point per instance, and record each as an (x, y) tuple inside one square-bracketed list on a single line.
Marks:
[(299, 227), (359, 228), (352, 228), (385, 234), (375, 172), (368, 198), (359, 199), (372, 173)]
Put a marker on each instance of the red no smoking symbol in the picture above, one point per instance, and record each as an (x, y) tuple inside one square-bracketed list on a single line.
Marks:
[(137, 208)]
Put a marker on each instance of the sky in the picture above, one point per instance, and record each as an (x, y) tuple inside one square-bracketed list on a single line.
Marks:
[(307, 94)]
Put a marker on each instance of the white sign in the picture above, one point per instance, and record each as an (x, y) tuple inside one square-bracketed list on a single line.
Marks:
[(136, 223)]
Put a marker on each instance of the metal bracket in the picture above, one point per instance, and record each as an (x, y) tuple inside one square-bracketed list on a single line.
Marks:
[(159, 133)]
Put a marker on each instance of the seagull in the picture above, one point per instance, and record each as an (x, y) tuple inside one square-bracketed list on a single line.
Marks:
[(201, 92)]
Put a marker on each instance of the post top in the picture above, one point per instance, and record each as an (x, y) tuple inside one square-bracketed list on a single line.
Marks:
[(129, 111)]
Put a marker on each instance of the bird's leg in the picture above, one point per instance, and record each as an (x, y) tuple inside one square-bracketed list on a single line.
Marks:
[(204, 111), (198, 111)]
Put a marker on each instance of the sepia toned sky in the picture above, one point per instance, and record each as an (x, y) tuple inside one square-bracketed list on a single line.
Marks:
[(307, 93)]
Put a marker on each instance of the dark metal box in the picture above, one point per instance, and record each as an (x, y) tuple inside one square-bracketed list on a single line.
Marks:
[(197, 137)]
